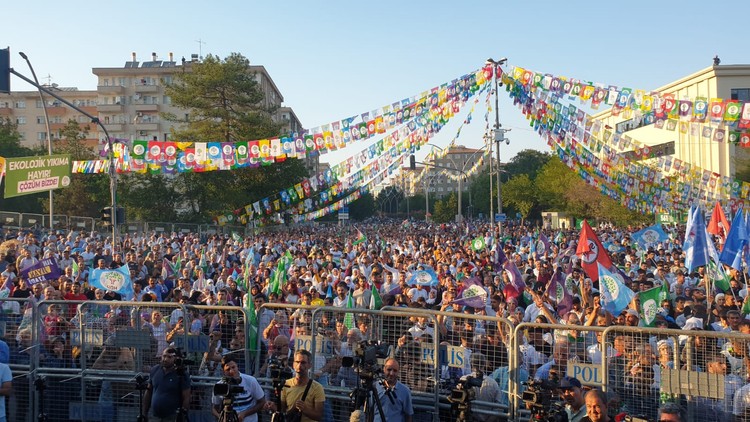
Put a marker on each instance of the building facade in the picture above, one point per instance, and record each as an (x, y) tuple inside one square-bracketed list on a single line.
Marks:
[(718, 81)]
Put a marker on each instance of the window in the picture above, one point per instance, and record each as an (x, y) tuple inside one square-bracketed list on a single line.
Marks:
[(105, 82), (123, 81), (742, 94), (41, 136), (39, 104), (166, 99), (20, 104), (21, 120), (40, 120)]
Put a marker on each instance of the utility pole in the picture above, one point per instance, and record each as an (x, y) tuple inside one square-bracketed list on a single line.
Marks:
[(499, 137)]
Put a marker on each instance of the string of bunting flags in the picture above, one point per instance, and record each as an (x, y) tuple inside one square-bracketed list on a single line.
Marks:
[(577, 138), (171, 157), (338, 181)]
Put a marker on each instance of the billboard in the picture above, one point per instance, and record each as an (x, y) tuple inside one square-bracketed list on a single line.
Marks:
[(27, 175)]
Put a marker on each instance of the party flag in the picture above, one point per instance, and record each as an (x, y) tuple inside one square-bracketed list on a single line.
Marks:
[(718, 225), (737, 240), (557, 291), (329, 292), (361, 238), (376, 302), (542, 245), (236, 237), (252, 322), (650, 300), (695, 245), (478, 243), (592, 252), (615, 296), (650, 236), (424, 277), (349, 317), (115, 280), (499, 259), (473, 294)]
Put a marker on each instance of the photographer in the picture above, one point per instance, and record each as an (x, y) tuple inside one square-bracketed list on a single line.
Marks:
[(394, 396), (488, 390), (311, 407), (168, 389), (246, 403)]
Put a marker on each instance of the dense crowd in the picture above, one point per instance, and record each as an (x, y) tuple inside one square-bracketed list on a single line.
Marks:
[(345, 266)]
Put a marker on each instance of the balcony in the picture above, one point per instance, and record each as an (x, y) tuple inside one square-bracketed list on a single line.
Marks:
[(57, 110), (114, 127), (148, 126), (110, 108), (147, 107), (89, 109), (54, 127), (110, 89), (6, 111), (146, 88)]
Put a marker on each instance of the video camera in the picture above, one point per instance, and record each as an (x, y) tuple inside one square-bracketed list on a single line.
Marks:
[(366, 358), (180, 362), (539, 397), (228, 387), (464, 392), (278, 371)]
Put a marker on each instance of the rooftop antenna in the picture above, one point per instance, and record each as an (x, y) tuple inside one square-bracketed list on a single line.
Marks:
[(49, 79), (200, 47)]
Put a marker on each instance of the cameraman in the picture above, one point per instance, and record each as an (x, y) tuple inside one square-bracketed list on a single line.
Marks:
[(394, 396), (311, 408), (249, 402), (488, 391), (168, 389)]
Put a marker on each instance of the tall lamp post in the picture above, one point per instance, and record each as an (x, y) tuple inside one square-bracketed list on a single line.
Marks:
[(499, 135), (49, 132)]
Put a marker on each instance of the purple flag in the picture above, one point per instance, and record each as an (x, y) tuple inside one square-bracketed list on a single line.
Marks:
[(542, 246), (556, 290), (499, 259), (44, 270), (473, 294)]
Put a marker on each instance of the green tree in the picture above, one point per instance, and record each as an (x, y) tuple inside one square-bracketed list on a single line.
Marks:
[(223, 101), (10, 146), (519, 192), (446, 209), (148, 197), (362, 208), (528, 161), (552, 182), (87, 194)]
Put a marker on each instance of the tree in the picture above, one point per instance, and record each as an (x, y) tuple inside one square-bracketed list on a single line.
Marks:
[(519, 192), (148, 197), (223, 101), (362, 208), (87, 193), (552, 182), (528, 161), (10, 146), (446, 209)]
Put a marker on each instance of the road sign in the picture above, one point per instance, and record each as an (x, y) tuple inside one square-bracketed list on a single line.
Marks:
[(500, 218)]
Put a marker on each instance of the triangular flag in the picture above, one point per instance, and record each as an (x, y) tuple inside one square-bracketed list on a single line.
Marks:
[(737, 240), (252, 322), (696, 243), (376, 302), (718, 225), (349, 317), (615, 295)]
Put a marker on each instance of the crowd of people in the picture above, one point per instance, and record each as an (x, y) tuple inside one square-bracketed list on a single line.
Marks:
[(344, 267)]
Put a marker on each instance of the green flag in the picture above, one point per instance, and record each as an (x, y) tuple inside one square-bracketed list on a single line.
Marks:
[(202, 263), (478, 243), (746, 306), (252, 323), (236, 237), (376, 302), (718, 275), (76, 270), (650, 300), (349, 317), (361, 238)]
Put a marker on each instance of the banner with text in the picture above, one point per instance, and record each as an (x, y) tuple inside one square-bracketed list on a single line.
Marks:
[(27, 175)]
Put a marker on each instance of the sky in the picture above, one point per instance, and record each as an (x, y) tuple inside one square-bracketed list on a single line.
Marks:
[(335, 59)]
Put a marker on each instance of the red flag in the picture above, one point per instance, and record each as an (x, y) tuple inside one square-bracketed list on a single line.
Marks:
[(718, 226), (591, 251)]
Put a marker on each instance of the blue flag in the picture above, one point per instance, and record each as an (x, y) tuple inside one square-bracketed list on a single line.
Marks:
[(473, 294), (650, 236), (615, 295), (736, 243), (117, 280), (424, 277), (696, 244)]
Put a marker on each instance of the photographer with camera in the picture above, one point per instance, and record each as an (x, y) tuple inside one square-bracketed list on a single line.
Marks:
[(302, 398), (395, 397), (239, 392), (168, 392)]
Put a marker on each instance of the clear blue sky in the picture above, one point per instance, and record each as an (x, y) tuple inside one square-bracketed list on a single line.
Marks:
[(334, 59)]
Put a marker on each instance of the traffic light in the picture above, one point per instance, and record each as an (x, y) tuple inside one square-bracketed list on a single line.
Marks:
[(107, 216), (412, 162), (5, 70), (120, 215)]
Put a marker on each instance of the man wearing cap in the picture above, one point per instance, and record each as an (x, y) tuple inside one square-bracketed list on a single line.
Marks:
[(572, 392)]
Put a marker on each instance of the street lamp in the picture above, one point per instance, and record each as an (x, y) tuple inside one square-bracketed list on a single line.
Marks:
[(49, 132), (499, 135)]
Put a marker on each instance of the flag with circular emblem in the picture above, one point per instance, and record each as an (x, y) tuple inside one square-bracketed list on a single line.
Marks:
[(478, 244)]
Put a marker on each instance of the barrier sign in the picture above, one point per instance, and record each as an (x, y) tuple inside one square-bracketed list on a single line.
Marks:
[(91, 337), (587, 373), (692, 383), (322, 344), (196, 343), (452, 356), (27, 175)]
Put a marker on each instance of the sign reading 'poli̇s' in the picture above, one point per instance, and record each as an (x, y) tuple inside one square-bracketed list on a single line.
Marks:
[(27, 175)]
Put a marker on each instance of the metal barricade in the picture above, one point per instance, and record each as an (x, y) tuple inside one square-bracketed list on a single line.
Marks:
[(695, 369), (81, 223), (133, 227), (19, 321), (10, 219), (32, 220)]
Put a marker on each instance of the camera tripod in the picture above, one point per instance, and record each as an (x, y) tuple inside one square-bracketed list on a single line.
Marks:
[(228, 414), (366, 396), (40, 384), (278, 385)]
